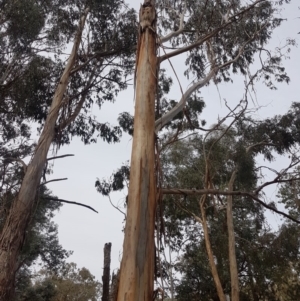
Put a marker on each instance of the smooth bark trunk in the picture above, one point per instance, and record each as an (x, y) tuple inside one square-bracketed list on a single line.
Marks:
[(210, 255), (14, 229), (231, 245), (137, 267)]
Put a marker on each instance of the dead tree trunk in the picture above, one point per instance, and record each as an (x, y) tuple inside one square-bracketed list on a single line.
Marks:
[(106, 272), (137, 267), (14, 229)]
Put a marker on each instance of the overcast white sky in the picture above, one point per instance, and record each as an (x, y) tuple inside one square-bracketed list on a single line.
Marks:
[(86, 232)]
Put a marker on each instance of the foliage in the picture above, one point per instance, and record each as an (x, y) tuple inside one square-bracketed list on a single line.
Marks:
[(267, 259), (71, 283), (33, 58)]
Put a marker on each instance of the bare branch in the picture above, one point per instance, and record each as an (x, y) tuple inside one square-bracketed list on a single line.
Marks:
[(69, 202), (274, 182), (162, 121), (54, 180), (279, 175), (116, 207), (59, 157)]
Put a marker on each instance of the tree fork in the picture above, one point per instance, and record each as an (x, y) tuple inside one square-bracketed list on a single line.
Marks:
[(137, 267)]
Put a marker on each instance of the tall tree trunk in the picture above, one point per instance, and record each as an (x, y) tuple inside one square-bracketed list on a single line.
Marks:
[(14, 229), (210, 255), (106, 272), (231, 245), (137, 268)]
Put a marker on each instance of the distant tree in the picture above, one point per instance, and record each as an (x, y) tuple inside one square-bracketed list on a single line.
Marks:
[(70, 283)]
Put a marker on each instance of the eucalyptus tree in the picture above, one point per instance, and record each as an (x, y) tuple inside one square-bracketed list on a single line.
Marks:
[(219, 37), (204, 165), (41, 82)]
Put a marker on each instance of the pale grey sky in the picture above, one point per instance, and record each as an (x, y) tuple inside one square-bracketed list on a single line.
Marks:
[(86, 232)]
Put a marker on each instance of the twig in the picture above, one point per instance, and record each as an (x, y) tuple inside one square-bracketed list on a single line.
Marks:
[(116, 207), (68, 202)]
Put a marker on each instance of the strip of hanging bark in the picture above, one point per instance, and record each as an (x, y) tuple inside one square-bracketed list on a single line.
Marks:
[(69, 202), (106, 272)]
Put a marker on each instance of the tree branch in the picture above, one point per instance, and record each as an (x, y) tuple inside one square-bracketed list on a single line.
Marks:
[(219, 192), (96, 55), (231, 20), (162, 121), (116, 207), (59, 157), (69, 202)]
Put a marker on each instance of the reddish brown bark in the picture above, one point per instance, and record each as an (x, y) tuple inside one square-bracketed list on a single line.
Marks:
[(137, 268)]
